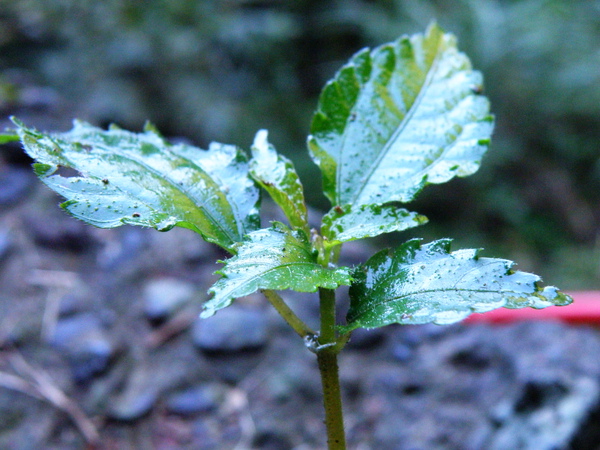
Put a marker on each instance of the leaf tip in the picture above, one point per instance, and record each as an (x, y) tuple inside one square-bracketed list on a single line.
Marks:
[(261, 139), (207, 313), (17, 121)]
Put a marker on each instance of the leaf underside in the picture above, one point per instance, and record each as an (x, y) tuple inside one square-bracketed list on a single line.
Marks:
[(398, 117), (277, 175), (276, 258), (418, 284), (115, 177)]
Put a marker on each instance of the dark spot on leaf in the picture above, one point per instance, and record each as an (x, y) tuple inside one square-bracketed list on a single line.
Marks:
[(105, 181), (136, 215)]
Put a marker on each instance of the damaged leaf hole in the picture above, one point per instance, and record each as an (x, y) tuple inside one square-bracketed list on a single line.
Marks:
[(67, 172)]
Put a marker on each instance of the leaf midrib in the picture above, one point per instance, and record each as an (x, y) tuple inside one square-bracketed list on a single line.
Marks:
[(271, 269), (365, 310), (372, 169), (181, 188)]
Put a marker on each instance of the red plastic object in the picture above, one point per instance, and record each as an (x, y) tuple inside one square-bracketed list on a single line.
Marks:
[(585, 309)]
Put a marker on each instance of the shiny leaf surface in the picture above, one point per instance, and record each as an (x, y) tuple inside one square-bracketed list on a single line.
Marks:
[(343, 224), (275, 258), (115, 177), (276, 174), (418, 284), (398, 117)]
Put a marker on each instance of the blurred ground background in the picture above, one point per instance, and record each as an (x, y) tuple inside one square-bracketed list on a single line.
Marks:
[(220, 70)]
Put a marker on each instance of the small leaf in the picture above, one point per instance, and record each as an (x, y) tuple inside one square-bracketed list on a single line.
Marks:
[(399, 117), (276, 174), (347, 223), (9, 136), (275, 258), (418, 284), (115, 177)]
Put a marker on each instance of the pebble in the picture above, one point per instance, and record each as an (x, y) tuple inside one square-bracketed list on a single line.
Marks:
[(53, 229), (401, 352), (134, 405), (120, 247), (164, 296), (85, 343), (232, 329), (194, 400)]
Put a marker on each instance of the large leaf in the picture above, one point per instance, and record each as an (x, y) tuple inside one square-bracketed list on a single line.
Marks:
[(343, 224), (116, 177), (275, 258), (276, 174), (398, 117), (418, 284)]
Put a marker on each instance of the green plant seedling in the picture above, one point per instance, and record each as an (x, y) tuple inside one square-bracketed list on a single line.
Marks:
[(392, 121)]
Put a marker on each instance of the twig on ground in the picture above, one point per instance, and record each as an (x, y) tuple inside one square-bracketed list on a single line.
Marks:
[(38, 384), (58, 283), (177, 324)]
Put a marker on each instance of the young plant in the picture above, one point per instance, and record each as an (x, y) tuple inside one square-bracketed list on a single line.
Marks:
[(393, 120)]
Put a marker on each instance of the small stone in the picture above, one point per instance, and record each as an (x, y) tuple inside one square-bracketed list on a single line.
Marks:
[(401, 352), (198, 399), (134, 405), (52, 228), (162, 297), (85, 344), (230, 330)]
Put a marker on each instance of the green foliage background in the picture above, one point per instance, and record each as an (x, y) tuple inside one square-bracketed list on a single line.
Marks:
[(220, 70)]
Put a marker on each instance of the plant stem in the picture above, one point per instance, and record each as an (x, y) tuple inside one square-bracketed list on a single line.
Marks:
[(327, 312), (328, 367), (332, 399), (288, 315)]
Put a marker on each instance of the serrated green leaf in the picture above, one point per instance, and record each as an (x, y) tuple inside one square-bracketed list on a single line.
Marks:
[(116, 177), (348, 223), (275, 258), (276, 174), (396, 118), (418, 284)]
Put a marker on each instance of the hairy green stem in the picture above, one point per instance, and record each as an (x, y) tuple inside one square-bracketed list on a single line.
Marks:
[(327, 311), (332, 399), (288, 315), (328, 367)]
